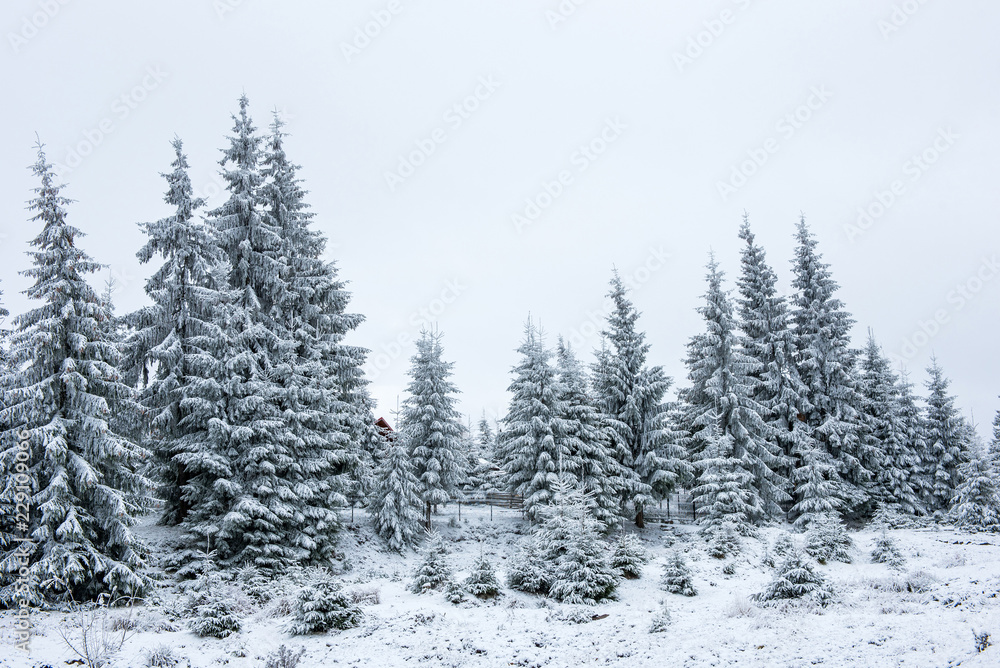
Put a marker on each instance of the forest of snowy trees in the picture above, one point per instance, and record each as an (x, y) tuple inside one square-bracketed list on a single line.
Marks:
[(235, 407)]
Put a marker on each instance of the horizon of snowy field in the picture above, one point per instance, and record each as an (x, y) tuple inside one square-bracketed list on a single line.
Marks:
[(954, 579)]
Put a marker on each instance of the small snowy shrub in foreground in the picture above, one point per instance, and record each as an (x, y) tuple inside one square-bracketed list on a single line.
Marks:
[(796, 579), (215, 617), (161, 657), (433, 571), (982, 639), (629, 556), (827, 540), (887, 552), (321, 607), (724, 540), (284, 658), (527, 571), (661, 621), (482, 582), (214, 606), (676, 578)]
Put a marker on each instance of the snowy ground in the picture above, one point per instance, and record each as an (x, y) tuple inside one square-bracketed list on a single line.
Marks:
[(922, 615)]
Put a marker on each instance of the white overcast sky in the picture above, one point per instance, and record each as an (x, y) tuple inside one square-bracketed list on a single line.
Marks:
[(886, 81)]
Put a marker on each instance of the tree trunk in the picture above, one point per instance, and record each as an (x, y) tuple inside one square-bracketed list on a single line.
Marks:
[(640, 522), (427, 516)]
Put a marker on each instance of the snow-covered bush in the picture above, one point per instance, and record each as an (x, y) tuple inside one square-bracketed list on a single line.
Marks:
[(724, 540), (890, 517), (284, 658), (676, 578), (784, 544), (433, 571), (571, 614), (482, 581), (321, 607), (161, 657), (527, 571), (214, 605), (454, 593), (215, 617), (661, 620), (887, 552), (982, 639), (254, 584), (796, 578), (629, 556), (827, 540)]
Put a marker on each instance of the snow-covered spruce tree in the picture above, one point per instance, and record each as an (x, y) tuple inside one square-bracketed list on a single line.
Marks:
[(629, 556), (677, 578), (586, 439), (534, 448), (947, 441), (254, 515), (174, 352), (886, 551), (325, 403), (82, 478), (816, 484), (323, 606), (827, 539), (431, 425), (736, 481), (768, 340), (796, 578), (915, 431), (395, 503), (994, 449), (482, 581), (825, 363), (630, 394), (577, 560), (484, 475), (433, 572), (884, 431), (976, 504), (527, 570)]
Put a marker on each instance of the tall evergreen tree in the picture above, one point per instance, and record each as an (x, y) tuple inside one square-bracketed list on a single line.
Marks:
[(736, 479), (325, 403), (587, 442), (82, 478), (431, 425), (947, 440), (631, 394), (825, 363), (994, 449), (395, 502), (258, 521), (769, 341), (3, 336), (176, 348), (884, 431), (915, 429), (533, 447), (976, 502)]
